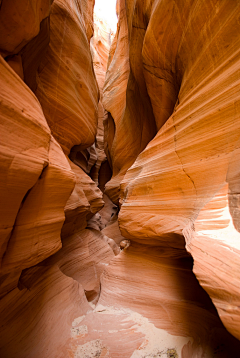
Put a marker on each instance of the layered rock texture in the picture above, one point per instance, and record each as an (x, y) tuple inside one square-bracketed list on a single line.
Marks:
[(119, 186), (46, 198), (71, 114), (182, 183)]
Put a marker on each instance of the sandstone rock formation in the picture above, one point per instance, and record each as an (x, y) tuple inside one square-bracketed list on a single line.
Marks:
[(157, 282), (25, 141), (119, 195), (175, 187), (20, 22), (40, 188), (41, 212), (36, 319), (71, 108), (130, 125), (91, 159)]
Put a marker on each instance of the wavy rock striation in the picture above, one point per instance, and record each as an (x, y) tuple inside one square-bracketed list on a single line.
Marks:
[(46, 200), (157, 282), (185, 181), (67, 88), (164, 127), (130, 125)]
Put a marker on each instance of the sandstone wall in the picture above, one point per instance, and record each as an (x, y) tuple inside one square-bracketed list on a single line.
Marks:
[(46, 198), (67, 88), (131, 123), (185, 182), (163, 125)]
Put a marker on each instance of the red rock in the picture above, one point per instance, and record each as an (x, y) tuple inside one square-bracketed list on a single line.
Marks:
[(84, 202), (20, 22), (84, 257), (214, 245), (172, 73), (71, 108), (36, 319), (191, 158), (16, 63), (158, 283), (36, 233), (131, 124), (36, 190), (113, 231), (25, 139), (34, 52)]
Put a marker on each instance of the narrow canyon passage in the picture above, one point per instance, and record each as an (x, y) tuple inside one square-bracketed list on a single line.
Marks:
[(119, 186)]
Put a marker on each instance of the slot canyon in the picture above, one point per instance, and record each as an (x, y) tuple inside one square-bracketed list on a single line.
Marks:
[(120, 180)]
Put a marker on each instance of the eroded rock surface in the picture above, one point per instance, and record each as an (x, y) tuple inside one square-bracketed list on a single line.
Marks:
[(45, 198), (67, 88), (157, 142), (175, 185), (20, 23)]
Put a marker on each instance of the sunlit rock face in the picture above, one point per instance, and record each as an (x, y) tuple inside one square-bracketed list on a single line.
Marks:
[(186, 180), (215, 247)]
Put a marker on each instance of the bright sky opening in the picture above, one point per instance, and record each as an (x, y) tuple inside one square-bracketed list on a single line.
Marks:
[(106, 10)]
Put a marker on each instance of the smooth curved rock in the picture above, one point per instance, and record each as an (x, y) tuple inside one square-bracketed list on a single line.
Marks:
[(130, 125), (173, 68), (67, 88), (15, 62), (84, 257), (84, 202), (36, 318), (113, 231), (91, 159), (20, 22), (34, 52), (191, 158), (25, 139), (39, 186), (215, 247), (157, 282), (36, 233)]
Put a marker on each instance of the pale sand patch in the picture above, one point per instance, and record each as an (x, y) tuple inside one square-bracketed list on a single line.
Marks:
[(91, 349), (78, 320), (157, 342), (76, 331), (92, 305)]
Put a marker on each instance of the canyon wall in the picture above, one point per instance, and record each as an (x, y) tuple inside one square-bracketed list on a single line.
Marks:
[(49, 104), (109, 141), (184, 184)]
